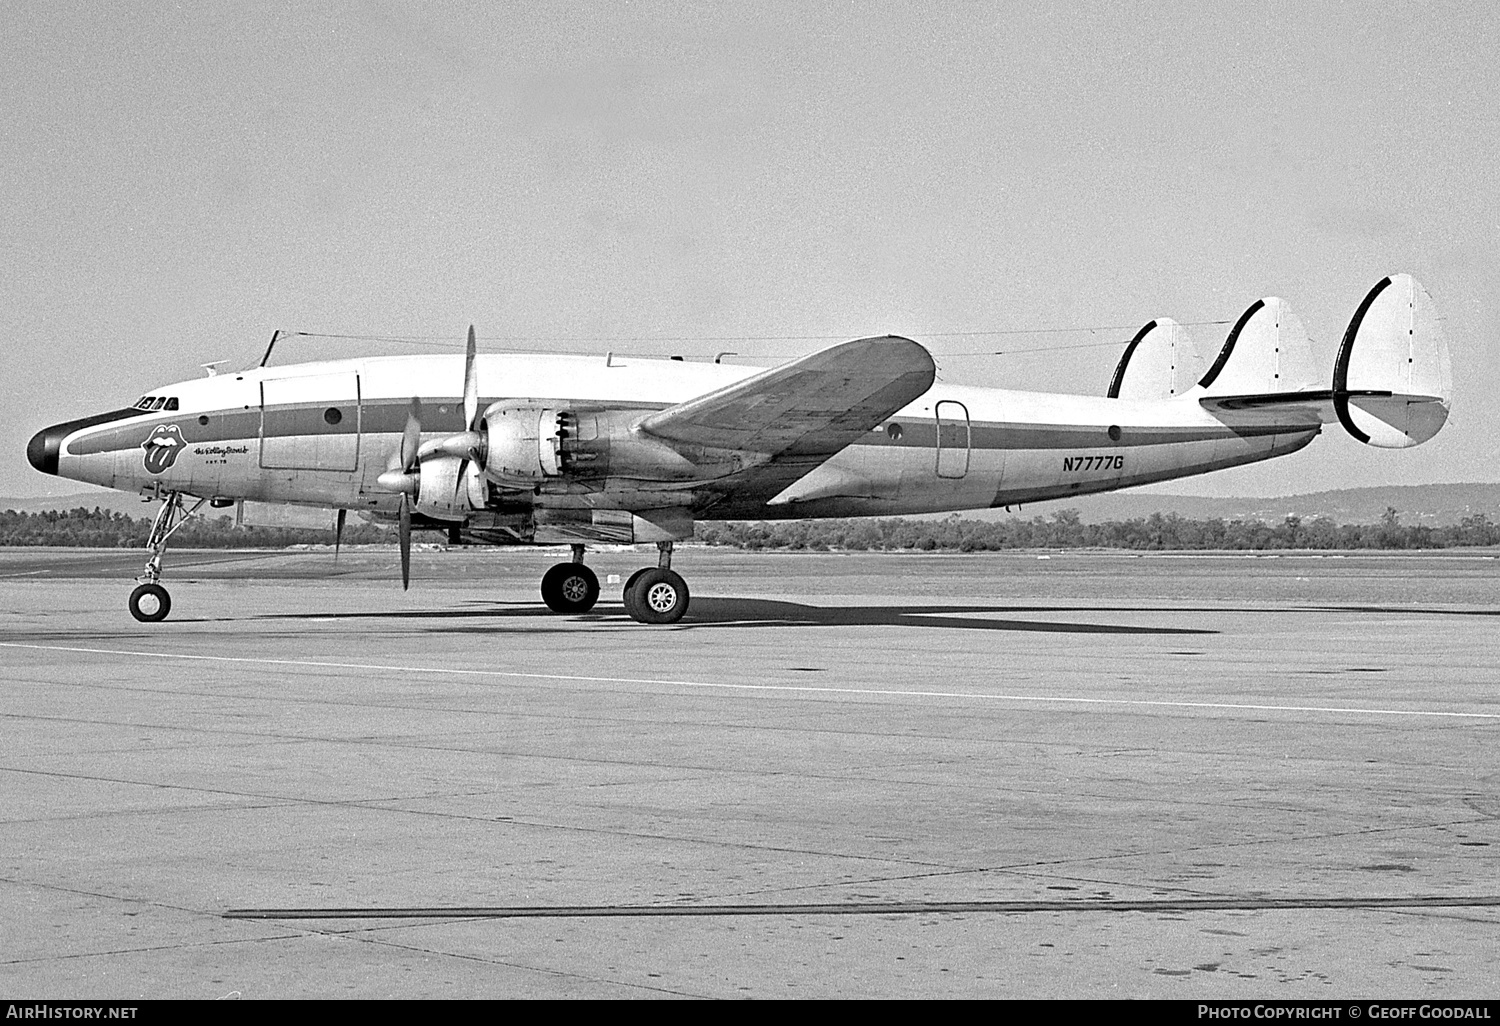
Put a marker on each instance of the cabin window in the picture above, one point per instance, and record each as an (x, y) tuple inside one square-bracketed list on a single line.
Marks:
[(894, 431), (332, 416), (1114, 432)]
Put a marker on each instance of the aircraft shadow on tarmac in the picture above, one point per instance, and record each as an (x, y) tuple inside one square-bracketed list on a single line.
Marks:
[(754, 612)]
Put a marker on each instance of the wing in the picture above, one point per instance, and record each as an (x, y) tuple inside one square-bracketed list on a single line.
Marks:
[(813, 406), (791, 418)]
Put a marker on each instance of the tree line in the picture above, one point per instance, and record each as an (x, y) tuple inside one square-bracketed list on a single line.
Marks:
[(1065, 529), (100, 528)]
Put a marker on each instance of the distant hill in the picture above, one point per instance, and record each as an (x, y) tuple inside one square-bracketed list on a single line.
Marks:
[(1432, 505)]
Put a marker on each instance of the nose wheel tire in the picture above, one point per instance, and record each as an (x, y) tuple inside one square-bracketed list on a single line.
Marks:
[(570, 588), (655, 595), (150, 603)]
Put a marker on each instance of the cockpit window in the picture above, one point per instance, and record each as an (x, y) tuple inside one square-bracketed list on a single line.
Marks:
[(152, 403), (172, 403), (159, 402)]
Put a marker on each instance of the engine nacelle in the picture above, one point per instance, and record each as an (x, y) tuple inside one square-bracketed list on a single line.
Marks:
[(523, 443), (439, 494)]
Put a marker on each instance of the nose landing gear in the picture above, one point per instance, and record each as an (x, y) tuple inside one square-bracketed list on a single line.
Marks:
[(149, 602)]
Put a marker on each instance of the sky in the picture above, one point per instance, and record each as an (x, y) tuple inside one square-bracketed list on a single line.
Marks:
[(762, 177)]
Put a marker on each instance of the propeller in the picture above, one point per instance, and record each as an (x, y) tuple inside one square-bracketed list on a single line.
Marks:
[(405, 536), (471, 443), (471, 384), (338, 531), (403, 474), (411, 440)]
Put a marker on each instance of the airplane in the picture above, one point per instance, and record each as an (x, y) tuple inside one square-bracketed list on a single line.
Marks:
[(543, 449)]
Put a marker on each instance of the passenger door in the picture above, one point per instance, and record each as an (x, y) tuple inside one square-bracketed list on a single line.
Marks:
[(953, 438), (310, 422)]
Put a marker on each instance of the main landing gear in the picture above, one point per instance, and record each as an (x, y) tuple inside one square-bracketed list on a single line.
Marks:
[(570, 587), (655, 594), (150, 602)]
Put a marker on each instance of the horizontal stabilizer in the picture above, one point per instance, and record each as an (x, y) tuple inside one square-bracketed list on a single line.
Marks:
[(809, 408), (1159, 362), (1271, 400)]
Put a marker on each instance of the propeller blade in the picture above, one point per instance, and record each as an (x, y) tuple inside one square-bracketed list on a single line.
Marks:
[(338, 532), (411, 438), (405, 536), (469, 488), (478, 492), (461, 483), (471, 384)]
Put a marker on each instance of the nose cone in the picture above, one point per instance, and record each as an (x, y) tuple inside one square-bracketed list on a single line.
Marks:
[(44, 446)]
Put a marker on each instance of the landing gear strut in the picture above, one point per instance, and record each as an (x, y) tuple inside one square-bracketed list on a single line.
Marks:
[(570, 587), (657, 594), (149, 602)]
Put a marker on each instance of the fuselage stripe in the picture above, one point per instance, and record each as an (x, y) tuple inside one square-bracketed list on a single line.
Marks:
[(388, 417)]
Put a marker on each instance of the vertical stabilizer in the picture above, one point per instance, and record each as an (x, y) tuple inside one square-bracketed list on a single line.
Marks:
[(1159, 362), (1393, 383), (1267, 351)]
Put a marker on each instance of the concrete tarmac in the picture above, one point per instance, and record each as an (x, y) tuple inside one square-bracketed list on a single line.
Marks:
[(1083, 775)]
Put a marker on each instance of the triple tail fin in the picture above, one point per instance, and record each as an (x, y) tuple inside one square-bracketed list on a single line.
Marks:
[(1392, 382)]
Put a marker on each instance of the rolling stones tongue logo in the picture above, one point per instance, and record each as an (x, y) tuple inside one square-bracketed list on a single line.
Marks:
[(162, 447)]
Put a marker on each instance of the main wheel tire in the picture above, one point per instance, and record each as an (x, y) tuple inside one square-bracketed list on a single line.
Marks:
[(150, 603), (628, 595), (657, 596), (570, 588)]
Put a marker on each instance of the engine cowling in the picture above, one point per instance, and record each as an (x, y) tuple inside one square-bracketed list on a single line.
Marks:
[(438, 493), (523, 443)]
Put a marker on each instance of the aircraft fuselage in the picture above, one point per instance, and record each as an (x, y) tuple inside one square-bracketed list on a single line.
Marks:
[(321, 434)]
